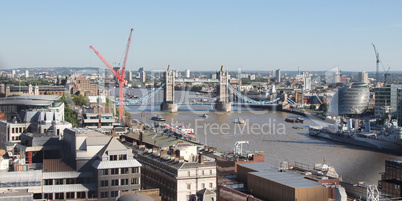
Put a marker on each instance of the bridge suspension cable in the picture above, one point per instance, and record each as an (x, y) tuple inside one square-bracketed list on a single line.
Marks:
[(249, 100)]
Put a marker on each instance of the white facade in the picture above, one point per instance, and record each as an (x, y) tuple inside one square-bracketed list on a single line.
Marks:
[(10, 132), (96, 99), (187, 73), (363, 77), (278, 75), (143, 76), (191, 180), (307, 83)]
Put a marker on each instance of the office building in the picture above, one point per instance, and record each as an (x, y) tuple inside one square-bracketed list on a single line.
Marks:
[(178, 170), (388, 100), (187, 72), (391, 180), (266, 182), (307, 83), (26, 73), (363, 77), (350, 99), (84, 86), (129, 76), (143, 77), (32, 114), (13, 90), (111, 165), (278, 75), (98, 114)]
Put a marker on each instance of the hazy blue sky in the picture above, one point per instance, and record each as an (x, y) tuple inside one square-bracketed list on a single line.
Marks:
[(202, 35)]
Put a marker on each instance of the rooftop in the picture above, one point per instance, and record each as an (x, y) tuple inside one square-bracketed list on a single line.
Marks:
[(56, 165), (170, 162), (38, 100), (290, 179), (159, 140), (271, 173), (86, 132)]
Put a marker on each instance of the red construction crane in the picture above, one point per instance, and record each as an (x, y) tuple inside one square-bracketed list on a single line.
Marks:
[(119, 76)]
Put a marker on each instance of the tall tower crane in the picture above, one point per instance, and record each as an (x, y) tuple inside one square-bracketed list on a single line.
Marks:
[(119, 76), (386, 72), (377, 74)]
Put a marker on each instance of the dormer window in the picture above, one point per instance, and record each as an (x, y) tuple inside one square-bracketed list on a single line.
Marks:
[(123, 157), (113, 157)]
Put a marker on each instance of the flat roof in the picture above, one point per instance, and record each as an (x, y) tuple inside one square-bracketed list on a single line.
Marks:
[(290, 179), (86, 132), (270, 172), (38, 100), (259, 167), (157, 139)]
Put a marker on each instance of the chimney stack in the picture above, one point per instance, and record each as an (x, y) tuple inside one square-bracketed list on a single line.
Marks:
[(140, 138), (201, 158)]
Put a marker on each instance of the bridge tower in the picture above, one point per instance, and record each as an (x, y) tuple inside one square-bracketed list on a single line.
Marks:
[(222, 92), (168, 104)]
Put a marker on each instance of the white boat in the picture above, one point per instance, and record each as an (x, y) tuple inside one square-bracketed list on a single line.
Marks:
[(240, 121)]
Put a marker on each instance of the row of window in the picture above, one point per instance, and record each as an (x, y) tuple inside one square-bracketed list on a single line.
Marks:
[(123, 182), (13, 138), (120, 157), (69, 195), (79, 180), (115, 171), (202, 172), (202, 185), (18, 130)]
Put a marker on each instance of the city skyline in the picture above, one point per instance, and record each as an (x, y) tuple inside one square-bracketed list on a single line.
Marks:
[(255, 35)]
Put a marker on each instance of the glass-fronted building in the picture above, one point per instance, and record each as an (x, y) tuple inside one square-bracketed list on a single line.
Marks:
[(388, 100), (350, 99)]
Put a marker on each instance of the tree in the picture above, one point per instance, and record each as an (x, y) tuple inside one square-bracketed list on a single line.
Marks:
[(69, 114), (80, 100), (313, 107)]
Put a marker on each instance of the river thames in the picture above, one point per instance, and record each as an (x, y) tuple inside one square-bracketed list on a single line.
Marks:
[(267, 131)]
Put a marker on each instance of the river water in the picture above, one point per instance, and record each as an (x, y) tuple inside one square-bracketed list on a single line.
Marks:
[(266, 131)]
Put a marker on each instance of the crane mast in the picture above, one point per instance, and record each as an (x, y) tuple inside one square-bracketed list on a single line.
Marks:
[(377, 74), (119, 75)]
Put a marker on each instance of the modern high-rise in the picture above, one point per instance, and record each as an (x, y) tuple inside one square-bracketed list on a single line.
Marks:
[(187, 73), (388, 100), (307, 83), (26, 73), (143, 76), (278, 75), (363, 77), (129, 76), (337, 77)]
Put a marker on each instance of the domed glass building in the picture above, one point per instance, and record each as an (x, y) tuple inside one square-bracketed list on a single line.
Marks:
[(350, 99)]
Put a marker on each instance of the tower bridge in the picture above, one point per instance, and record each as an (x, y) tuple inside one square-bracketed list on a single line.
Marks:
[(221, 103)]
